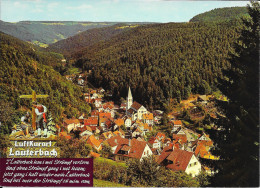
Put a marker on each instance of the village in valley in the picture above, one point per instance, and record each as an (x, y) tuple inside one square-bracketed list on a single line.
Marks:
[(132, 131)]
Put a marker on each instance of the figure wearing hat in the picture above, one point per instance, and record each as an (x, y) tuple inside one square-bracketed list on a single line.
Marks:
[(40, 111)]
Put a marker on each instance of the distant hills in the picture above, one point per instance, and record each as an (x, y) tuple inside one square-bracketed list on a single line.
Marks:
[(87, 38), (220, 14), (43, 33), (47, 32)]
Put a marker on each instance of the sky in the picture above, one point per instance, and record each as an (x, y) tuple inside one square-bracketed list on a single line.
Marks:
[(108, 10)]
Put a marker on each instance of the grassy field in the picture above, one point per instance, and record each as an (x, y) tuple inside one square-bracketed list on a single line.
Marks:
[(110, 161), (102, 183)]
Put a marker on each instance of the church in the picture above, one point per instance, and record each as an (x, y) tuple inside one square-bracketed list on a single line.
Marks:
[(134, 109)]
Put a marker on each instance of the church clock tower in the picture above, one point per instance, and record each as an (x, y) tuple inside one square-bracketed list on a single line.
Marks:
[(129, 99)]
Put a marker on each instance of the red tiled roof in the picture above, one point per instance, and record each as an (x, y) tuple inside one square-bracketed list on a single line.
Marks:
[(152, 140), (116, 140), (108, 123), (181, 137), (107, 134), (201, 150), (177, 122), (108, 115), (91, 121), (64, 134), (125, 148), (94, 113), (93, 141), (165, 153), (160, 135), (137, 149), (136, 105), (70, 121), (82, 129), (206, 142), (180, 159), (130, 111), (119, 122)]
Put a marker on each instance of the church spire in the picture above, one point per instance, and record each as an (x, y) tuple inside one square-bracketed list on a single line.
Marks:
[(129, 99), (129, 93)]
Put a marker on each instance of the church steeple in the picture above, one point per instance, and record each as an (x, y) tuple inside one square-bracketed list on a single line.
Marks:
[(129, 99)]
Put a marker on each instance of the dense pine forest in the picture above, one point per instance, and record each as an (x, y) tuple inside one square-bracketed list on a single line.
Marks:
[(161, 61), (24, 69)]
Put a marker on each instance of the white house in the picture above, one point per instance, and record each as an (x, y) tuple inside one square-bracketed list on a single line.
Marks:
[(128, 123), (180, 160), (71, 124)]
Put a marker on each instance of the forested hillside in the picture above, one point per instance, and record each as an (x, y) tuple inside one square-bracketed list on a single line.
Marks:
[(42, 33), (220, 14), (161, 61), (88, 38), (22, 70)]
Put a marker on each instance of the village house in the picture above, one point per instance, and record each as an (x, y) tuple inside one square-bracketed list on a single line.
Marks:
[(94, 143), (106, 135), (160, 136), (180, 160), (128, 123), (71, 124), (177, 124), (144, 127), (181, 137), (118, 123), (91, 121), (133, 149), (87, 97), (86, 130), (148, 118), (113, 142), (120, 132), (80, 81), (98, 102), (155, 143)]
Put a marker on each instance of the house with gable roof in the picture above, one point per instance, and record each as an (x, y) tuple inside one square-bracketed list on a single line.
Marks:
[(106, 135), (86, 130), (128, 123), (181, 138), (118, 123), (148, 118), (134, 149), (179, 160), (113, 142), (177, 124), (155, 143), (71, 124), (95, 143)]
